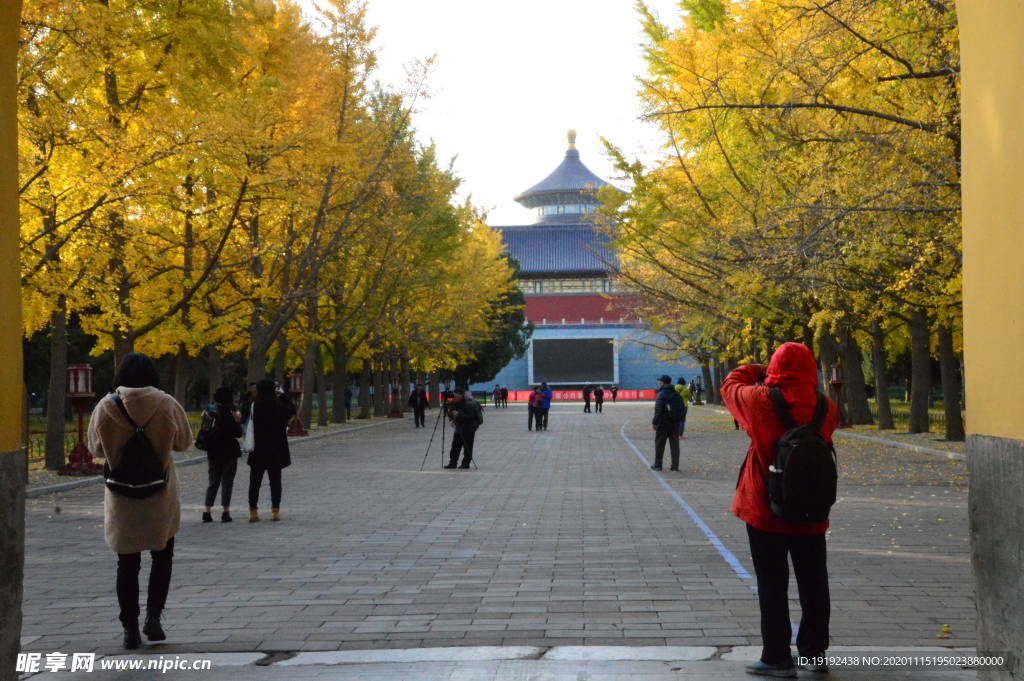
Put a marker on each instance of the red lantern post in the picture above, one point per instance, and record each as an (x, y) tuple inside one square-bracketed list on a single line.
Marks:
[(80, 461), (837, 381), (295, 428), (396, 410)]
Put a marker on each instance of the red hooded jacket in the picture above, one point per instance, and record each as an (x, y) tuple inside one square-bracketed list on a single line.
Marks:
[(793, 370)]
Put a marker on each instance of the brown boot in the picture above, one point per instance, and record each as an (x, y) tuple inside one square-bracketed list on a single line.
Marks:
[(275, 514), (254, 516)]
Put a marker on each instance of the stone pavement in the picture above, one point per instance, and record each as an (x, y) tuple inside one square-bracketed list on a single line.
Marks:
[(561, 538)]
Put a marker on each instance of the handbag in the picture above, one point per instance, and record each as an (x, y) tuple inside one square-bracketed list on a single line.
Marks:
[(249, 439), (205, 431)]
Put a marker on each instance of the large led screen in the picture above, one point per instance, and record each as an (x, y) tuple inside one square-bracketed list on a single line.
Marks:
[(574, 360)]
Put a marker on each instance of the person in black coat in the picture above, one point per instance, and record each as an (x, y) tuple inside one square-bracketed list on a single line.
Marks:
[(272, 411), (222, 451), (418, 402)]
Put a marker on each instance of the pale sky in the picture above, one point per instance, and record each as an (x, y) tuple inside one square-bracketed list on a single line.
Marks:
[(512, 77)]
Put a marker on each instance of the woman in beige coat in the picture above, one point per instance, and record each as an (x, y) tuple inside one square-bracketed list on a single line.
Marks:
[(132, 526)]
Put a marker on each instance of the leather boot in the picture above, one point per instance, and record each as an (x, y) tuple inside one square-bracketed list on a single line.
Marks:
[(132, 637), (275, 514), (254, 516), (152, 628)]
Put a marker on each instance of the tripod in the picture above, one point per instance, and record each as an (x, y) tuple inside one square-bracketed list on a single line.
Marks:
[(443, 411)]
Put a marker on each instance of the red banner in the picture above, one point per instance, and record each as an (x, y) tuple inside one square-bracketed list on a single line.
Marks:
[(577, 395)]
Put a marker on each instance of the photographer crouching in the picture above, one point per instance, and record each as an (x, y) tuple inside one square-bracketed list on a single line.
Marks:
[(466, 416)]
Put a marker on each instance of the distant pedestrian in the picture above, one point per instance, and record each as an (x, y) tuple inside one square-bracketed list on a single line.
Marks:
[(418, 402), (222, 451), (465, 416), (598, 399), (348, 403), (586, 398), (131, 526), (272, 411), (504, 396), (245, 407), (533, 409), (545, 403), (496, 393), (668, 409), (685, 394), (615, 392), (792, 378)]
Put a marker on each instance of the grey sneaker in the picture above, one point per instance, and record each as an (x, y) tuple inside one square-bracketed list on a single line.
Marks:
[(785, 669)]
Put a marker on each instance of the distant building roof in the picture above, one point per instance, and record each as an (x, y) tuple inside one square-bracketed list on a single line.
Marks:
[(570, 183), (562, 249)]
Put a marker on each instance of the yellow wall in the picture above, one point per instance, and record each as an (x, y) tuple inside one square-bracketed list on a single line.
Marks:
[(11, 378), (992, 48)]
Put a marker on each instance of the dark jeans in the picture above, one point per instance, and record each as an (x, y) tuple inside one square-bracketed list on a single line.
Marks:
[(420, 416), (222, 475), (532, 413), (128, 567), (544, 415), (682, 424), (586, 404), (459, 442), (597, 405), (666, 434), (769, 552), (348, 411), (256, 481)]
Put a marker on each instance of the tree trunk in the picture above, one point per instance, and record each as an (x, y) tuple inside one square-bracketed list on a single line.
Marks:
[(365, 380), (858, 411), (56, 396), (281, 359), (215, 370), (709, 385), (950, 386), (403, 383), (719, 377), (321, 386), (828, 354), (920, 369), (878, 359), (308, 382), (379, 394), (435, 388), (181, 376), (340, 381), (257, 366)]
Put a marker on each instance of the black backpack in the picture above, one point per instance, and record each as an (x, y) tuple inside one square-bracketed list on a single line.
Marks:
[(138, 472), (802, 479), (673, 411)]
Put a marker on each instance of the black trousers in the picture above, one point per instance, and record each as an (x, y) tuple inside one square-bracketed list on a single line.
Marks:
[(597, 405), (544, 414), (586, 403), (420, 415), (128, 567), (222, 475), (661, 436), (462, 441), (348, 411), (769, 551), (532, 414), (256, 481)]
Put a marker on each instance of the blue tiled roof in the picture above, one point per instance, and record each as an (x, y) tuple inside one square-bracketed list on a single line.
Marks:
[(558, 249), (570, 177)]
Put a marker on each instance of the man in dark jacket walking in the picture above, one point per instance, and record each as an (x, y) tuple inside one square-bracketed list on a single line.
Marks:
[(668, 408), (465, 416), (586, 399), (773, 540), (418, 402), (598, 399)]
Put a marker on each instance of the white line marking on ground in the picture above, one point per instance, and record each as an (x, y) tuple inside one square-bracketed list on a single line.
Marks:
[(726, 554)]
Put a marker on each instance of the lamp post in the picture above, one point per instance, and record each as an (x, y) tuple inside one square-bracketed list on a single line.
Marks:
[(698, 384), (837, 380), (295, 428), (80, 461)]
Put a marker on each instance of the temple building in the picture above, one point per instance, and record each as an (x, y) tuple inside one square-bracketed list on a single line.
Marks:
[(586, 331)]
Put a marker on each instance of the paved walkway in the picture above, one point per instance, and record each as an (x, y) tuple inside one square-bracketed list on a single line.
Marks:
[(562, 538)]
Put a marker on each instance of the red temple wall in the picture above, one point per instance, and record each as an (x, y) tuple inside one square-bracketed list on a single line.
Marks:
[(573, 308)]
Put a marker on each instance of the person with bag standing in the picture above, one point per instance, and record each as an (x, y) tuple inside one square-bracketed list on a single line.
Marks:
[(668, 409), (144, 521), (219, 437), (271, 411), (465, 416), (786, 415)]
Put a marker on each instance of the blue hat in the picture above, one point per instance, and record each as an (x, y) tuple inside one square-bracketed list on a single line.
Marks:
[(666, 379)]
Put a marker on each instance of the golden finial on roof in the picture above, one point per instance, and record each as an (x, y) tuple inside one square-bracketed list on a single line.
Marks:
[(572, 139)]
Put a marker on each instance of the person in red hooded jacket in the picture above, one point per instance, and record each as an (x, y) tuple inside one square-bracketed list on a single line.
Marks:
[(773, 540)]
